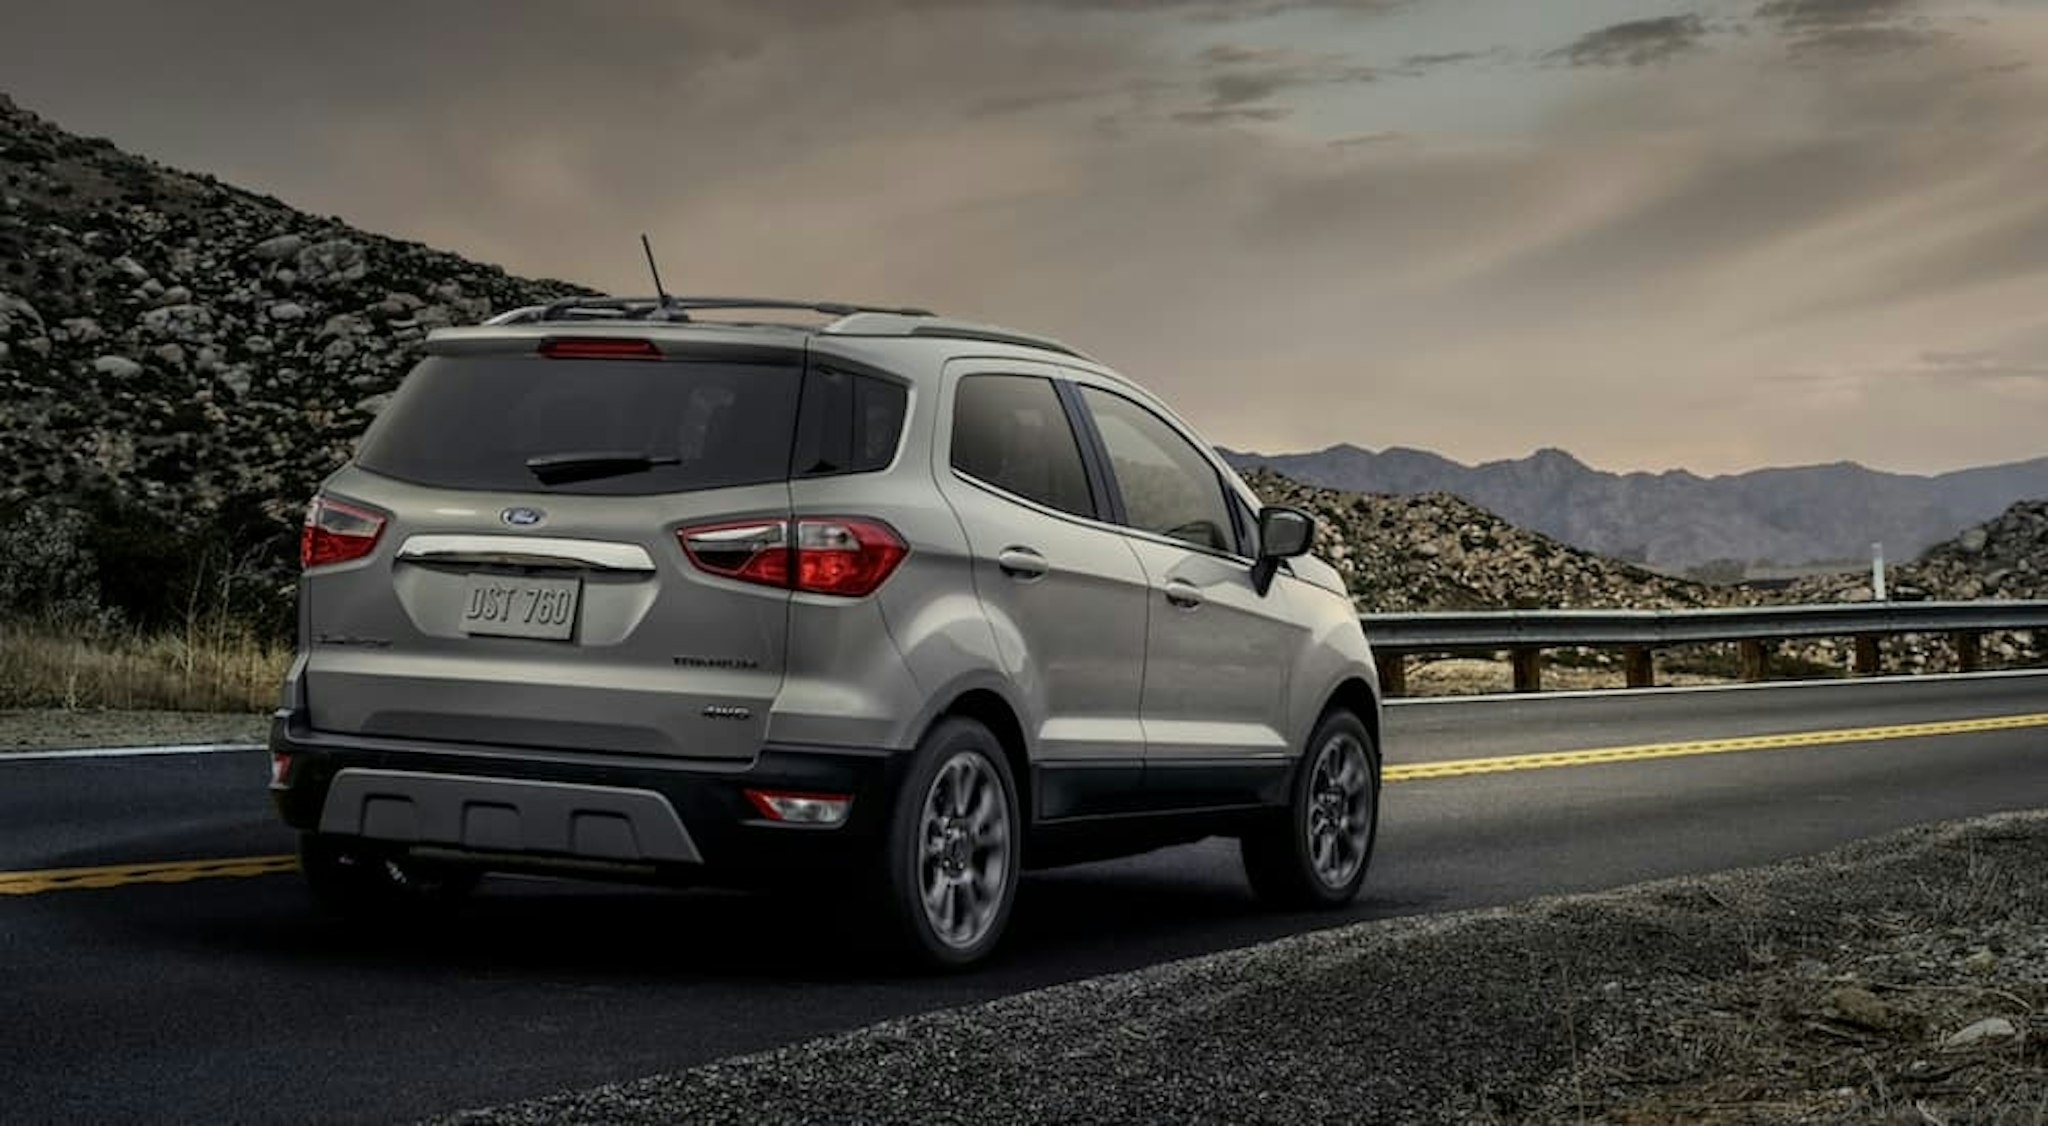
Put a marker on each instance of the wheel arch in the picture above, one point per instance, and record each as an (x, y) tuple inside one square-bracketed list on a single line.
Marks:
[(988, 707), (1359, 698)]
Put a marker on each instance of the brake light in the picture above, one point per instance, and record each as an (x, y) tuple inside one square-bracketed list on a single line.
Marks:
[(336, 532), (842, 555), (599, 348)]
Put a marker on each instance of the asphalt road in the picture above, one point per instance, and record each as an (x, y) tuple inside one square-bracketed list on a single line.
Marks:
[(229, 1000)]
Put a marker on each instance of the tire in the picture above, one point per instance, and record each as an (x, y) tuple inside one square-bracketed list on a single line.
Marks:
[(950, 862), (1315, 855), (359, 881)]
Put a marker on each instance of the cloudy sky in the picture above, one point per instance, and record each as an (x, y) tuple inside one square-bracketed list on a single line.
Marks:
[(1657, 233)]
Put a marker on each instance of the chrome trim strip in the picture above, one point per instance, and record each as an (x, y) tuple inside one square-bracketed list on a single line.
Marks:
[(527, 551)]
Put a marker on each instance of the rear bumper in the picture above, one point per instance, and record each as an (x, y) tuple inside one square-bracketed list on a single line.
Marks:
[(524, 807)]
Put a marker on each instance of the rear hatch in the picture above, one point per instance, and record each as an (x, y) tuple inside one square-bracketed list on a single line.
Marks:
[(541, 544)]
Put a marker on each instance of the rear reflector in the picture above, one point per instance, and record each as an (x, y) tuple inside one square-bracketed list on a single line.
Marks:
[(801, 809), (280, 769), (599, 348), (336, 532), (843, 555)]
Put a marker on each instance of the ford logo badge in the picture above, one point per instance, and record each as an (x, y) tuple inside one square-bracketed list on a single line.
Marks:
[(522, 517)]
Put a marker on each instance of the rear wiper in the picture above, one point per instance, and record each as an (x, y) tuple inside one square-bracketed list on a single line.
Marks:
[(562, 469)]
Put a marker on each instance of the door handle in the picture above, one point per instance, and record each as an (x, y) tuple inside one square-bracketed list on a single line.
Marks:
[(1185, 595), (1022, 563)]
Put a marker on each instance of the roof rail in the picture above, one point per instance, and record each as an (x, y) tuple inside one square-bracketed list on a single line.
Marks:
[(853, 320), (678, 308), (883, 322)]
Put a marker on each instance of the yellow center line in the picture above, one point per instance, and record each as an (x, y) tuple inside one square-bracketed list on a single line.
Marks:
[(181, 871), (1416, 771), (161, 872)]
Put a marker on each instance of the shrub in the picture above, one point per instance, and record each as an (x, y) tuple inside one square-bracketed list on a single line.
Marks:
[(48, 573)]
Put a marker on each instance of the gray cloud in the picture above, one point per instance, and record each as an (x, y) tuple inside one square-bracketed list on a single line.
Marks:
[(1420, 63), (1383, 137), (1989, 363), (1863, 40), (1800, 15), (1851, 27), (1233, 115), (1958, 370), (1635, 43), (1238, 78)]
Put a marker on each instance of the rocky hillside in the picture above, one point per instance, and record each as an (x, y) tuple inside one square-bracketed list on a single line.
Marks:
[(2004, 558), (194, 355), (1678, 520), (1438, 552)]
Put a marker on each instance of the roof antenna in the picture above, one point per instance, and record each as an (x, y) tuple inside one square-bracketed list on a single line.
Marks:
[(667, 302)]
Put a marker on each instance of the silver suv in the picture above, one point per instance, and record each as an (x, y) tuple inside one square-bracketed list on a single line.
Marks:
[(893, 603)]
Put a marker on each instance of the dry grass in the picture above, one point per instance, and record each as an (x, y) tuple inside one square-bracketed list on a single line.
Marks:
[(204, 669)]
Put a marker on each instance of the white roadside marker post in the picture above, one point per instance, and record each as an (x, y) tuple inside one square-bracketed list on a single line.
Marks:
[(1877, 572)]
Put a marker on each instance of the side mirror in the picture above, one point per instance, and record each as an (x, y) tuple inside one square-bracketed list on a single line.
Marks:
[(1283, 534)]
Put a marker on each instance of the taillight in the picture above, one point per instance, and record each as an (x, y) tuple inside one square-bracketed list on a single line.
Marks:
[(842, 555), (336, 532), (599, 348), (837, 555), (757, 551)]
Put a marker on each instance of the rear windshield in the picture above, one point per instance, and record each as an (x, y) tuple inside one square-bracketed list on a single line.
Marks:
[(472, 422)]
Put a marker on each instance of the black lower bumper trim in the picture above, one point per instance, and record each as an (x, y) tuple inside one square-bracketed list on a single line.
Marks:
[(737, 844)]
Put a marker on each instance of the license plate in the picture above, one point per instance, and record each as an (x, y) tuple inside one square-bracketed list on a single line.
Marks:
[(504, 606)]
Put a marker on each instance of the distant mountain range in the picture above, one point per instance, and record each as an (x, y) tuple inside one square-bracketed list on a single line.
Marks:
[(1678, 520)]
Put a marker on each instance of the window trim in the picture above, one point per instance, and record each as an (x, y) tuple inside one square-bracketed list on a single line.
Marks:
[(1109, 499)]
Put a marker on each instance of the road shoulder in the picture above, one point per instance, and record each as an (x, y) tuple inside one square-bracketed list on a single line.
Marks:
[(42, 729), (1907, 975)]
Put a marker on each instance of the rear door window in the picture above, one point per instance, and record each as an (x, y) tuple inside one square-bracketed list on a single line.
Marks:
[(1011, 431), (472, 422)]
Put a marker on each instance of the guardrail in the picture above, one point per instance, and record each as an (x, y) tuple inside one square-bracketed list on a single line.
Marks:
[(1525, 634)]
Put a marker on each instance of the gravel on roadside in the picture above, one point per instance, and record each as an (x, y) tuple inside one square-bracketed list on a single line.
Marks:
[(54, 728), (1903, 979)]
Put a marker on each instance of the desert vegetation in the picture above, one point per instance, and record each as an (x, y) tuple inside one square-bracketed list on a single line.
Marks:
[(99, 610)]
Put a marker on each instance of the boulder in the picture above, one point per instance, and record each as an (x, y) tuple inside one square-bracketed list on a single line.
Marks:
[(277, 247), (117, 367)]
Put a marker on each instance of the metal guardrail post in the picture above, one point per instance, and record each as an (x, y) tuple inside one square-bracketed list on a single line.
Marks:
[(1867, 661)]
